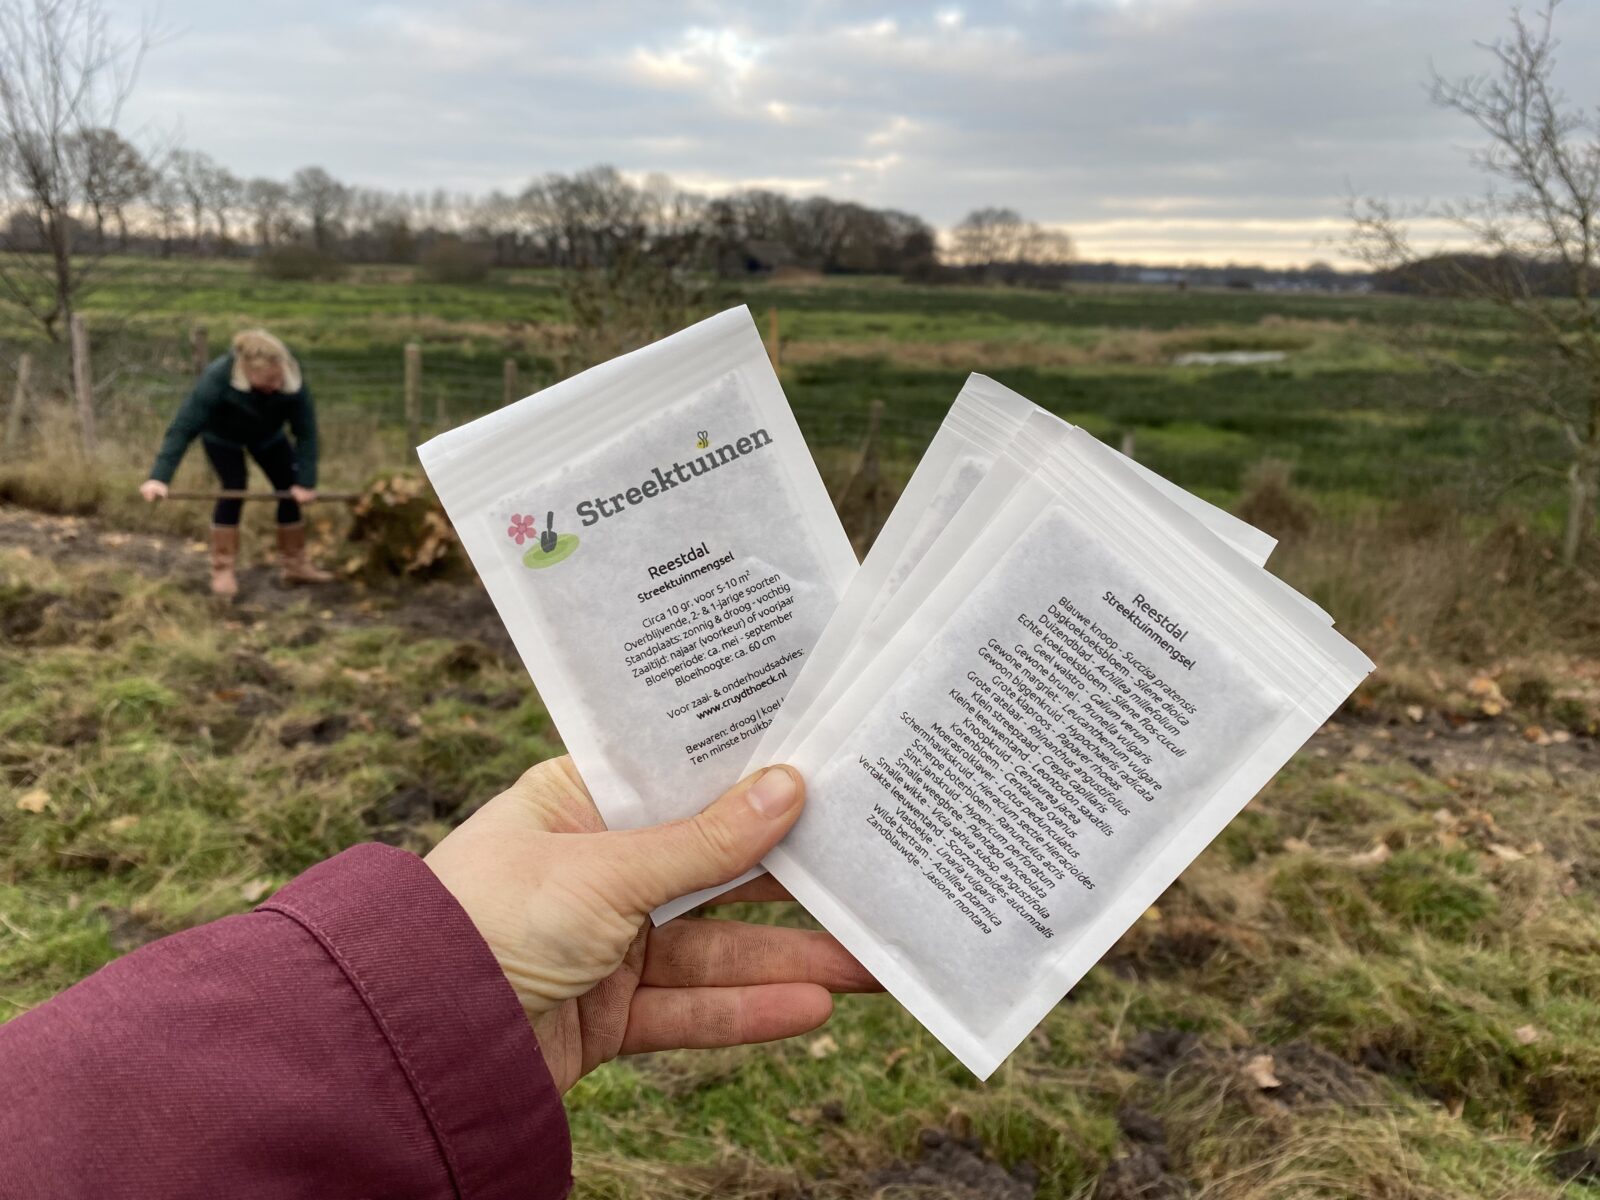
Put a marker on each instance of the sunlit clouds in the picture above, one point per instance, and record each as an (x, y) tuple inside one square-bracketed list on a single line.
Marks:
[(1158, 129)]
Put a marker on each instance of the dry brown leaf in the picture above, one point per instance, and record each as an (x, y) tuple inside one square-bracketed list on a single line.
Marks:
[(1536, 735), (822, 1047), (1526, 1035), (895, 1056), (33, 802), (1377, 856), (255, 890), (1296, 845), (1416, 712), (123, 824), (1506, 853), (1261, 1071)]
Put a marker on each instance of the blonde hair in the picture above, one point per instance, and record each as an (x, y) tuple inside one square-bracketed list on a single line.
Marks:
[(257, 347)]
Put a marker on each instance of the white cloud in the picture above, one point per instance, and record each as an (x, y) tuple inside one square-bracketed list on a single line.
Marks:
[(715, 58), (1186, 128)]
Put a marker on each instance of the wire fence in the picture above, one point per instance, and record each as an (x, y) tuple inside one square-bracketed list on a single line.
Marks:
[(417, 390), (375, 402)]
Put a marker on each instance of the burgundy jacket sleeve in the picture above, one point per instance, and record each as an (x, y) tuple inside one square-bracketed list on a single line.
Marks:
[(352, 1037)]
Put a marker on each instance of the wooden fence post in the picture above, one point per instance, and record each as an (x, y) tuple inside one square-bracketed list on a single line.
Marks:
[(83, 382), (413, 395), (508, 381), (861, 503), (19, 399), (772, 335), (1127, 443), (199, 343)]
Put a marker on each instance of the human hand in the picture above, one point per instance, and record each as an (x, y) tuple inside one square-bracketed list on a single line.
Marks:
[(153, 489), (302, 495), (565, 908)]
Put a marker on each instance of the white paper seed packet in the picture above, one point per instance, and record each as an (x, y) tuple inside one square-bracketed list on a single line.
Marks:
[(656, 538), (984, 448), (1091, 690)]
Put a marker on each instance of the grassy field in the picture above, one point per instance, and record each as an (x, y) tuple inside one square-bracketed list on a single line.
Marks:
[(1358, 406), (1383, 980)]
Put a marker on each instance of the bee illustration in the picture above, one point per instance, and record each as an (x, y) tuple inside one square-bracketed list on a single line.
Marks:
[(702, 440)]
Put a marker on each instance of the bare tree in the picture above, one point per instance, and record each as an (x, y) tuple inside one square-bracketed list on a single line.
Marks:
[(113, 174), (166, 202), (192, 171), (1539, 220), (223, 191), (63, 76), (999, 238), (268, 202), (323, 200), (986, 236)]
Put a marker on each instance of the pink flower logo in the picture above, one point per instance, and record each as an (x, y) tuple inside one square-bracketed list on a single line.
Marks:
[(521, 529)]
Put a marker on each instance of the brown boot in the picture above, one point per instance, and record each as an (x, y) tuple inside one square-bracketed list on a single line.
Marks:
[(224, 554), (297, 567)]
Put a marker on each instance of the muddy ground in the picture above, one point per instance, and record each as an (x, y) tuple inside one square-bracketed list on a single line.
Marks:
[(947, 1161)]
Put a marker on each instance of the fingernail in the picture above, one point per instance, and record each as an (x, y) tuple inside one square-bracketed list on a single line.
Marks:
[(773, 793)]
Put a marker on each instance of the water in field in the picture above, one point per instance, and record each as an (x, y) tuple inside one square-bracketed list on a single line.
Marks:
[(1228, 358)]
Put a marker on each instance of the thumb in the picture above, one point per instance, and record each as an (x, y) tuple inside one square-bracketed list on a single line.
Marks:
[(717, 844)]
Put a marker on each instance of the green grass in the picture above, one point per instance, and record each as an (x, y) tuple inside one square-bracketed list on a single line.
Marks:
[(1356, 407), (1409, 930), (155, 731)]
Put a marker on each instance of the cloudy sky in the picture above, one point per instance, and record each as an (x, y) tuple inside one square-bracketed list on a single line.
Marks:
[(1163, 130)]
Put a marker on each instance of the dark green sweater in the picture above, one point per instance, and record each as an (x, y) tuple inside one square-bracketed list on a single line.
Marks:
[(220, 412)]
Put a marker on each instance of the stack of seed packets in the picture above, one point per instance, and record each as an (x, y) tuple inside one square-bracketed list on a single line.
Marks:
[(1054, 680)]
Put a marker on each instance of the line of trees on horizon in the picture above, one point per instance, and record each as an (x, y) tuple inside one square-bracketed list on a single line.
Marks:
[(187, 203)]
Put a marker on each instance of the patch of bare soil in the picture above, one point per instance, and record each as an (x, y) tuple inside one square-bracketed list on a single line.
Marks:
[(446, 610), (1294, 1073), (1438, 747), (1141, 1172), (952, 1168)]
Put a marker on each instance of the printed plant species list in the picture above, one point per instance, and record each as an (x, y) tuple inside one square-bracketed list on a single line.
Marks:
[(1058, 733), (1006, 786)]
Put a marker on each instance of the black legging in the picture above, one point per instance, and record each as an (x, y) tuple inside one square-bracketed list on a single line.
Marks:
[(276, 458)]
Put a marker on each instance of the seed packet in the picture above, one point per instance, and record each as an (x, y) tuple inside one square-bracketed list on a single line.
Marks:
[(656, 538), (984, 448), (1091, 690)]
